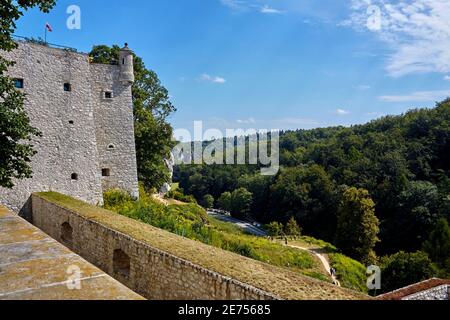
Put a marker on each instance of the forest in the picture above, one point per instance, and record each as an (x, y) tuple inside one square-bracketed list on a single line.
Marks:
[(376, 191)]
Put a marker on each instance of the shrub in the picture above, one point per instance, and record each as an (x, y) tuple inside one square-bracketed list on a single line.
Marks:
[(275, 229), (180, 196), (116, 198)]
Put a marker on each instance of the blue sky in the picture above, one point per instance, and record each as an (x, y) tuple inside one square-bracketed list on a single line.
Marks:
[(274, 64)]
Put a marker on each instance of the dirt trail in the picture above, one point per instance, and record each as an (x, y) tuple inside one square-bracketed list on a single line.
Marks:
[(323, 260)]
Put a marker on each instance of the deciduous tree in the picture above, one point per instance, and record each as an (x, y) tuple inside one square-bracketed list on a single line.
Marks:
[(358, 226), (438, 245), (16, 131), (403, 269), (292, 228)]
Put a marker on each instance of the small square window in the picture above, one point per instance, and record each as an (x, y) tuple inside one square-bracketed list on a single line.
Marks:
[(108, 95), (67, 87), (106, 172), (18, 83), (74, 176), (71, 122)]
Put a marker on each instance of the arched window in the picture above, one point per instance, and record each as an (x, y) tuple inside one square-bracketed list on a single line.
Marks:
[(121, 263), (67, 234)]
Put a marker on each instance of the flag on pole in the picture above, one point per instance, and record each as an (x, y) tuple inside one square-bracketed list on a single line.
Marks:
[(48, 27)]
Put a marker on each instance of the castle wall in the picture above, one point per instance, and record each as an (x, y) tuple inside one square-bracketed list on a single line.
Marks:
[(76, 126), (64, 148), (113, 125), (148, 271)]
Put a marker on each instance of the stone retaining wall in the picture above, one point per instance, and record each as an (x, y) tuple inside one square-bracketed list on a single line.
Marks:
[(154, 274)]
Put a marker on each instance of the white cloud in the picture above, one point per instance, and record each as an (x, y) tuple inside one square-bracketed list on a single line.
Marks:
[(234, 4), (342, 112), (214, 79), (249, 5), (246, 121), (269, 10), (418, 96), (447, 78), (363, 87), (417, 32)]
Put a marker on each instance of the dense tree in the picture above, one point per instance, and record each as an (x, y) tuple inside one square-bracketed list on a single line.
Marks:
[(241, 202), (358, 226), (152, 107), (259, 186), (403, 161), (238, 202), (417, 211), (208, 201), (308, 194), (16, 132), (224, 201), (403, 269), (438, 246)]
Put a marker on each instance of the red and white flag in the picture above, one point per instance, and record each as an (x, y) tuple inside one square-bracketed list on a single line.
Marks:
[(48, 27)]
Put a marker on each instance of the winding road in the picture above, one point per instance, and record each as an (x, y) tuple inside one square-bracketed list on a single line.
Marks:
[(246, 226)]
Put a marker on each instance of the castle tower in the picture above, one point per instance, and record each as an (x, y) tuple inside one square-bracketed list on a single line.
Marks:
[(126, 65)]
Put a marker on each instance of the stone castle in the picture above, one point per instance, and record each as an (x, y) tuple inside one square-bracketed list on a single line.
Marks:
[(85, 113)]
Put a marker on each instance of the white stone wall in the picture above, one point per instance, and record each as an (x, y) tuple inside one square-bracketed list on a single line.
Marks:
[(114, 123), (67, 148)]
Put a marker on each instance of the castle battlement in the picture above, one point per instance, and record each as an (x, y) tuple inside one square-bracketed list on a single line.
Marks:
[(85, 113)]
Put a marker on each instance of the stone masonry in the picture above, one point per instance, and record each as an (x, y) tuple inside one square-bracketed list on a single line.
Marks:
[(84, 111), (148, 271)]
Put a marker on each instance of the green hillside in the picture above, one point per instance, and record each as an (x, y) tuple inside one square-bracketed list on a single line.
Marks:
[(400, 164)]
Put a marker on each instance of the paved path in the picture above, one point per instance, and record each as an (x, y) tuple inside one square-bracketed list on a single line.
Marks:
[(35, 267), (323, 260), (241, 224)]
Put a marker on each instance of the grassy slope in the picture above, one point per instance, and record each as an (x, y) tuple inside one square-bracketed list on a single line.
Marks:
[(272, 252), (191, 221), (351, 273)]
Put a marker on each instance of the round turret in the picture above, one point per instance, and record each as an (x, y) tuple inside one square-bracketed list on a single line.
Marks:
[(126, 65)]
